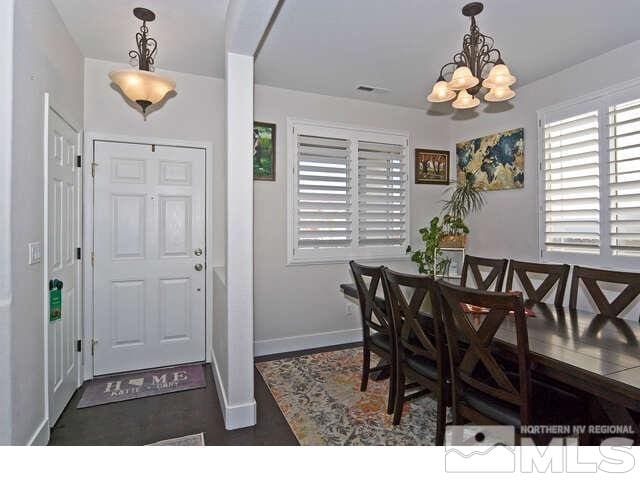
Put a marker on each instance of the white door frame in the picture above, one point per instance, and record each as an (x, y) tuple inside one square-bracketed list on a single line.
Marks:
[(87, 246), (50, 105)]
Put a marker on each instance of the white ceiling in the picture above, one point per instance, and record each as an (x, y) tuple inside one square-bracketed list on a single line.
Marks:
[(190, 33), (330, 46)]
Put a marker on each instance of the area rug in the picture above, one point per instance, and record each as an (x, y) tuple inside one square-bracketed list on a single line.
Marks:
[(195, 440), (128, 386), (320, 397)]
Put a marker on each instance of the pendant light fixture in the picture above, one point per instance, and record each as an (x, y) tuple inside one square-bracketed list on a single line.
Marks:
[(143, 86), (468, 68)]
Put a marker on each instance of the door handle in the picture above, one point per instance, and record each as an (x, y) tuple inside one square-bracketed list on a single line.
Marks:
[(198, 267)]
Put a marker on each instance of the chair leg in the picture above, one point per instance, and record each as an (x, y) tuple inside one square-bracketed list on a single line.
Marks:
[(392, 389), (366, 365), (399, 402), (441, 419)]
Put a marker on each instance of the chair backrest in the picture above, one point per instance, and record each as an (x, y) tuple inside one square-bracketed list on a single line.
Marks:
[(406, 295), (475, 365), (374, 316), (555, 275), (497, 266), (591, 276)]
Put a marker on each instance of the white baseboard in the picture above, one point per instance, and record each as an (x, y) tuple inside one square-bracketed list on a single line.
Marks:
[(304, 342), (41, 436), (235, 416)]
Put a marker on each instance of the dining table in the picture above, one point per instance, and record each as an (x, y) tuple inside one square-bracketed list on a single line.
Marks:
[(591, 353)]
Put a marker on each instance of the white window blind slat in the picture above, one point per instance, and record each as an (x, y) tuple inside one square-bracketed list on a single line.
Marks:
[(572, 184), (624, 178)]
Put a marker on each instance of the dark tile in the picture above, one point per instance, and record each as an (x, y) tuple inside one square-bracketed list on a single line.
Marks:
[(147, 420)]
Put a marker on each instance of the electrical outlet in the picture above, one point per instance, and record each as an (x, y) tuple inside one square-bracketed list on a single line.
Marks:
[(35, 253)]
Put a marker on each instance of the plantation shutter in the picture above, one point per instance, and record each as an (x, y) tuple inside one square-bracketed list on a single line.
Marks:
[(324, 215), (571, 184), (624, 178), (382, 194)]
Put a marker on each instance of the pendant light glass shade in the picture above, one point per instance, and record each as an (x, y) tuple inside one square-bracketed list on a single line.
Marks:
[(144, 88), (441, 92), (499, 94), (462, 79), (465, 100), (499, 76)]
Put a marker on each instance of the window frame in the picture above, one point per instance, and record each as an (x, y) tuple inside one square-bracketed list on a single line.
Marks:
[(601, 101), (353, 133)]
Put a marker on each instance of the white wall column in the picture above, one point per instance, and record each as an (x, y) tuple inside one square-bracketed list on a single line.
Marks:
[(6, 139), (241, 409)]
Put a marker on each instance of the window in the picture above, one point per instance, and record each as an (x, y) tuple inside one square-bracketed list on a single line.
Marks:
[(348, 193), (590, 182)]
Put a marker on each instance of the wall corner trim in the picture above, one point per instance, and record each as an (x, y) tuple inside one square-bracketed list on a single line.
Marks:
[(235, 416), (40, 437), (305, 342)]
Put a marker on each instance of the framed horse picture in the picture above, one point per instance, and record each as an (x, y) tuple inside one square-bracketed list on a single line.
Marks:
[(432, 166)]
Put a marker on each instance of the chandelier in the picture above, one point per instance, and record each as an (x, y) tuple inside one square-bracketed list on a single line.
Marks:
[(143, 86), (466, 71)]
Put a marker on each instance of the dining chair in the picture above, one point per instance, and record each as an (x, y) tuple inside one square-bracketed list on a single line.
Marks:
[(377, 335), (486, 390), (556, 275), (590, 278), (420, 355), (497, 270)]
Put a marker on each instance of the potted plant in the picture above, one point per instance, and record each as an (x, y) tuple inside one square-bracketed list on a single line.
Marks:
[(465, 199), (428, 260)]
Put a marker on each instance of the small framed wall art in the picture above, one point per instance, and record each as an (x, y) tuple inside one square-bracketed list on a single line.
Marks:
[(264, 151), (432, 166)]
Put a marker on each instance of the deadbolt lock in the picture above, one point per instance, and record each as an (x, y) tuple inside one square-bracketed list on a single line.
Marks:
[(197, 252)]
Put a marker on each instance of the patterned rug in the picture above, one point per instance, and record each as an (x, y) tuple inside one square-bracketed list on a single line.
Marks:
[(195, 440), (320, 397)]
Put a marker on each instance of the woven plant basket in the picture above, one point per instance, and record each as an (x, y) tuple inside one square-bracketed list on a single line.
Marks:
[(452, 241)]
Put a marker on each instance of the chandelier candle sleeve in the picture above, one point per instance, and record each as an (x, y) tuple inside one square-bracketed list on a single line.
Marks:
[(479, 65)]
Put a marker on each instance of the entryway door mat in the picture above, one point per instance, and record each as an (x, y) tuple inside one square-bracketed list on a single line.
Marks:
[(129, 386)]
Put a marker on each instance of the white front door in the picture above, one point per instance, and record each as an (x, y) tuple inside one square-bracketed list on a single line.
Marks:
[(149, 242), (63, 238)]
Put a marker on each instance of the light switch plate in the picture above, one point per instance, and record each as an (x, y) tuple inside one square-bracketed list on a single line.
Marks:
[(35, 253)]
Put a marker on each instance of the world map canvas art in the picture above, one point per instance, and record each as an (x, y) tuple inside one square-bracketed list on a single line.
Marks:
[(496, 161)]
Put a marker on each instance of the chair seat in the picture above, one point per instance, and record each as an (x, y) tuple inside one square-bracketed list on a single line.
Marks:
[(550, 405), (424, 366), (381, 340)]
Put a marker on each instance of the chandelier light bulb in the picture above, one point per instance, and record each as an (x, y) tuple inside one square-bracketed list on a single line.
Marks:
[(463, 79), (499, 94), (465, 100), (441, 92), (499, 76)]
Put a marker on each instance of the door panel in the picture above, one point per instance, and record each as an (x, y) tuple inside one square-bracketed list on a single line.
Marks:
[(149, 300), (63, 238)]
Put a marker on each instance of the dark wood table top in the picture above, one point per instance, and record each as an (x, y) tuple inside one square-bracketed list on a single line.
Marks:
[(597, 354)]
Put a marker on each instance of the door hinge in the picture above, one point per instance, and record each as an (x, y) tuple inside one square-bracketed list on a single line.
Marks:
[(79, 253), (79, 161), (93, 259), (78, 345), (93, 346), (93, 169)]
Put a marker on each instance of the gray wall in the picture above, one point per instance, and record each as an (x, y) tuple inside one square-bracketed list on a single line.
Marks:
[(46, 60), (303, 300), (509, 222)]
